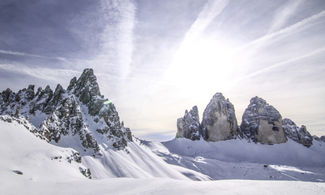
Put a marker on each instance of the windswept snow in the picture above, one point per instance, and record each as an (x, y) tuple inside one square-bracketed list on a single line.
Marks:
[(239, 159), (30, 165), (21, 150)]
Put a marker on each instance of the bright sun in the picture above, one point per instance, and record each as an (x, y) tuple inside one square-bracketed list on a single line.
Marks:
[(201, 62)]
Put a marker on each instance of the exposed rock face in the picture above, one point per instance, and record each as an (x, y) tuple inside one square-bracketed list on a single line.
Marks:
[(64, 115), (262, 123), (189, 126), (298, 134), (219, 121)]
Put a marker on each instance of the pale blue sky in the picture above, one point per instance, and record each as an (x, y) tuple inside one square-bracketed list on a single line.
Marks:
[(155, 59)]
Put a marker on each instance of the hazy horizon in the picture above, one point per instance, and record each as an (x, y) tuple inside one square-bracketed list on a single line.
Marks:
[(155, 59)]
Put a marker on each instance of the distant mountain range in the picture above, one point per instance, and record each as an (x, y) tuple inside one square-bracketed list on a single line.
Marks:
[(76, 132)]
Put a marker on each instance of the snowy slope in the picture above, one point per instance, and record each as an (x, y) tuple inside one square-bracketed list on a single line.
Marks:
[(21, 150), (239, 159)]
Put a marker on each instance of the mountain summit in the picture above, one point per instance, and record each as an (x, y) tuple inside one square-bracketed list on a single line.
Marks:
[(76, 117)]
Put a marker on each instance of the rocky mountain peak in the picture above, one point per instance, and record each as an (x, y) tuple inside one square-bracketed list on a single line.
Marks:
[(219, 120), (189, 125), (261, 122), (86, 86), (297, 134), (76, 113)]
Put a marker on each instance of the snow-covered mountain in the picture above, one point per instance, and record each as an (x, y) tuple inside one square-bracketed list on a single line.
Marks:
[(75, 134), (81, 120)]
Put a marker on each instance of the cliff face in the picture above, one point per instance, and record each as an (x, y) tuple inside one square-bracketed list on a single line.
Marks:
[(262, 123), (219, 121), (76, 115), (297, 134), (189, 125)]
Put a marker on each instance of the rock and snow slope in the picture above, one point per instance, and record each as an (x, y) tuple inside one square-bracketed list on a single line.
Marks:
[(21, 150), (80, 119), (69, 135), (46, 169)]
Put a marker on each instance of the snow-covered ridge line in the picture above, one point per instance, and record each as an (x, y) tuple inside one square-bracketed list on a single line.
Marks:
[(77, 113), (80, 119)]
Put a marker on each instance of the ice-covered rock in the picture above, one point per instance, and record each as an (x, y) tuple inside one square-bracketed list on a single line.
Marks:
[(219, 121), (189, 125), (262, 123), (298, 134)]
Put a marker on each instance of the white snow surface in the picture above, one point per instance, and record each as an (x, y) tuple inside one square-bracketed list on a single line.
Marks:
[(240, 159), (20, 150), (23, 151)]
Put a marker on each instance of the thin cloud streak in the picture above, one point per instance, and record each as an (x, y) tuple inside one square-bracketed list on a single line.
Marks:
[(211, 10), (290, 29), (280, 64), (282, 16), (117, 38), (40, 73), (7, 52)]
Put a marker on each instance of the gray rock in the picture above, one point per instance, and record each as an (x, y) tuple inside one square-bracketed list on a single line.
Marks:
[(30, 94), (86, 87), (219, 120), (189, 125), (262, 123), (7, 95), (297, 134)]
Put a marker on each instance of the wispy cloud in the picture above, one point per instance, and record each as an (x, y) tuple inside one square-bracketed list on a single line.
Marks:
[(211, 10), (117, 38), (282, 16), (285, 31), (8, 52), (48, 74), (280, 64)]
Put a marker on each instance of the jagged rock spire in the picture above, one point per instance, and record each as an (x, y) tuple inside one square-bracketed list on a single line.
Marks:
[(297, 134), (189, 125), (219, 120), (86, 87), (262, 123)]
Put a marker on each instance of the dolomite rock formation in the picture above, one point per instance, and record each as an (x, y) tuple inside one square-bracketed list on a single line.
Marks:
[(262, 123), (219, 121), (189, 125), (297, 134), (76, 115)]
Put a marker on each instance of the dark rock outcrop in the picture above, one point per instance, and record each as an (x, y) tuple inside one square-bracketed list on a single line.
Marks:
[(189, 125), (219, 121), (297, 134), (262, 123)]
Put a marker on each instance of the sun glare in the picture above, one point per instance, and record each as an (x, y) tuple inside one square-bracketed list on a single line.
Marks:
[(202, 62)]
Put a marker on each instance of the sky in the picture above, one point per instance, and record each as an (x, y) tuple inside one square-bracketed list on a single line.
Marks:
[(155, 59)]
